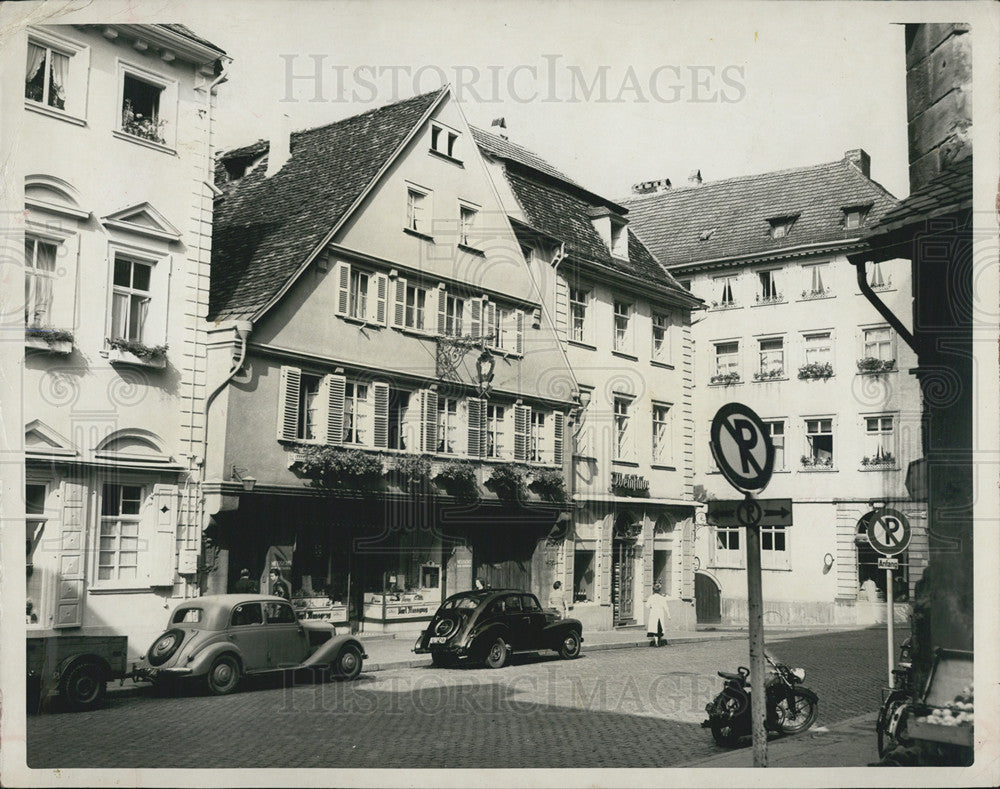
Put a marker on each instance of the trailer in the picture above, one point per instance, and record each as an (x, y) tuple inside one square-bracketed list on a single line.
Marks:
[(77, 667)]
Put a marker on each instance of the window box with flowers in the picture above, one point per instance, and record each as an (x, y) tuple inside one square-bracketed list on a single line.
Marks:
[(725, 305), (140, 125), (411, 473), (137, 354), (774, 298), (340, 468), (871, 365), (44, 338), (880, 461), (509, 482), (458, 479), (725, 379), (769, 375), (549, 484), (816, 463), (816, 370), (818, 293)]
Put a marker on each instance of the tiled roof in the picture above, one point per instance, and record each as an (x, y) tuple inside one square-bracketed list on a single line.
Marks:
[(947, 193), (729, 218), (185, 31), (265, 228), (497, 146)]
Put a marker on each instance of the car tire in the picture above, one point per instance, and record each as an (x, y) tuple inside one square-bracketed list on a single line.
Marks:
[(569, 646), (348, 663), (165, 646), (497, 654), (223, 676), (83, 687)]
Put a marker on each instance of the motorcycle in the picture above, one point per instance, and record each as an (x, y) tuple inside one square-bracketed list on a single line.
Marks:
[(896, 705), (791, 708)]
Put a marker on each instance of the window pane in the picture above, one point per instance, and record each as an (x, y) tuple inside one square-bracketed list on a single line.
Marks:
[(123, 272), (140, 276)]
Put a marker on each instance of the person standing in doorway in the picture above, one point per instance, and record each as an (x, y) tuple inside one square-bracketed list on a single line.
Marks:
[(278, 586), (557, 599), (245, 585), (657, 616)]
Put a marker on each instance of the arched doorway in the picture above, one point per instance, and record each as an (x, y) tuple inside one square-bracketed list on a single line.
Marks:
[(627, 529), (707, 600)]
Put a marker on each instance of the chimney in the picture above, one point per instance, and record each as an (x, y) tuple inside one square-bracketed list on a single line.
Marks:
[(649, 187), (501, 124), (861, 160), (695, 178), (279, 144)]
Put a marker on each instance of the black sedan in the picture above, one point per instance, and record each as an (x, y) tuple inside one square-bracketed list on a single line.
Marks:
[(490, 625)]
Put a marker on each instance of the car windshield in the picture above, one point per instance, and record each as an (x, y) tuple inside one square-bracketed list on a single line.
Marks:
[(187, 616), (466, 602)]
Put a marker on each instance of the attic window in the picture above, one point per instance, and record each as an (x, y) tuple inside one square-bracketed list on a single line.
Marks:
[(781, 226), (619, 239), (443, 141), (854, 216)]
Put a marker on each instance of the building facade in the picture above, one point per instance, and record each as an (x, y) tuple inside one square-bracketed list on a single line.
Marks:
[(788, 332), (389, 403), (116, 290), (624, 326)]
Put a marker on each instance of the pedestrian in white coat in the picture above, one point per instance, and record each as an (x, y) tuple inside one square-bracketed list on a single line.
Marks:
[(657, 615)]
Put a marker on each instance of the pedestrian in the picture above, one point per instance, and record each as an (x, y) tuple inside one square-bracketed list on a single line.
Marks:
[(480, 585), (278, 586), (557, 599), (657, 615), (245, 585)]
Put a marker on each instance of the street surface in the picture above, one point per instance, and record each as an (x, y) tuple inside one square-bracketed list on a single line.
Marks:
[(612, 708)]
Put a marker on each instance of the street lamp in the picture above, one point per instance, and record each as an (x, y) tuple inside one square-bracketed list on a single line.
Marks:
[(485, 364)]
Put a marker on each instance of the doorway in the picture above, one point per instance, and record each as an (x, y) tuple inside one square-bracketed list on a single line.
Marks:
[(623, 554), (707, 600)]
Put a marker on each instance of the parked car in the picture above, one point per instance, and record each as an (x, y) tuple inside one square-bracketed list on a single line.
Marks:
[(490, 625), (78, 667), (223, 638)]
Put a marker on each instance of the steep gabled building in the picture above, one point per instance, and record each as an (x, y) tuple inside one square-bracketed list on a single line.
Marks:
[(624, 325), (788, 332)]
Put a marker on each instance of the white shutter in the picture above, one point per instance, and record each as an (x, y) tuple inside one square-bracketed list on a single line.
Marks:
[(288, 403), (69, 585), (687, 560), (381, 298), (160, 524), (558, 423), (562, 307), (428, 420), (519, 332), (342, 276), (442, 308), (476, 317), (477, 427), (490, 321), (335, 388), (522, 424), (381, 415), (399, 304)]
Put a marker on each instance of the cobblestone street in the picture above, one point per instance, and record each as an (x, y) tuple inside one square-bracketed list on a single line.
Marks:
[(612, 708)]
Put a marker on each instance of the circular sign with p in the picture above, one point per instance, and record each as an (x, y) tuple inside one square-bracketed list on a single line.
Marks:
[(742, 448)]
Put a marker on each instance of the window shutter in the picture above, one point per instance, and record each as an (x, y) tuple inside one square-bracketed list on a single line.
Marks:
[(522, 423), (69, 601), (519, 331), (442, 307), (342, 274), (162, 531), (381, 415), (558, 421), (476, 317), (288, 403), (604, 564), (490, 319), (569, 565), (335, 387), (562, 308), (477, 425), (687, 561), (428, 420), (381, 298), (399, 304)]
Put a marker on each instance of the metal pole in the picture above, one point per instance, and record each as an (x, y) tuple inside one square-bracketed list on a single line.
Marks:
[(755, 604), (890, 620)]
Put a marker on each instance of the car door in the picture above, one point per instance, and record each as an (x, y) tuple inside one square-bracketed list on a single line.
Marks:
[(518, 621), (246, 631), (536, 619), (286, 638)]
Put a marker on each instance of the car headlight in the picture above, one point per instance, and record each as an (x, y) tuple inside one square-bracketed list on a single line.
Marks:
[(799, 673), (416, 644)]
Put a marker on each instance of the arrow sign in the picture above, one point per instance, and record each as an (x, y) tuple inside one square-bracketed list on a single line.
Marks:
[(774, 512)]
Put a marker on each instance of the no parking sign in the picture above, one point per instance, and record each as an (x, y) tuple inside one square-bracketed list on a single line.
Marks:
[(888, 531)]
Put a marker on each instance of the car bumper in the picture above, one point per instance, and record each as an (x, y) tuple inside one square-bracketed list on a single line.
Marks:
[(148, 674), (443, 649)]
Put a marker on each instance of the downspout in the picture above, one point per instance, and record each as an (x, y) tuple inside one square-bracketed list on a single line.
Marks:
[(859, 264)]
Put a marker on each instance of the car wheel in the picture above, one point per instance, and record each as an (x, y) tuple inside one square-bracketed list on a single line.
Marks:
[(348, 663), (224, 675), (497, 654), (83, 686), (569, 647)]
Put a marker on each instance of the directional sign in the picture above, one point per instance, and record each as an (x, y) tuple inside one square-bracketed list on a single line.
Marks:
[(742, 448), (888, 531), (773, 512), (888, 563)]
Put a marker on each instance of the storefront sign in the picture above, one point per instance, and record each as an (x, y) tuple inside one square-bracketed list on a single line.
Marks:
[(629, 484)]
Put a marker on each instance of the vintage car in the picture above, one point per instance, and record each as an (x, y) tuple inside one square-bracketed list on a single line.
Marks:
[(489, 625), (223, 638)]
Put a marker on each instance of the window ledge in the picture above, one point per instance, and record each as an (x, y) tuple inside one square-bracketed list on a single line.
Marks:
[(770, 380), (873, 373), (816, 377), (717, 566), (581, 344), (416, 233), (726, 383), (777, 569), (818, 297), (472, 250), (629, 463), (124, 589), (116, 356), (663, 466), (664, 365), (445, 157), (145, 143), (361, 322), (626, 355), (871, 468), (60, 347), (725, 307), (52, 112), (769, 303), (819, 469)]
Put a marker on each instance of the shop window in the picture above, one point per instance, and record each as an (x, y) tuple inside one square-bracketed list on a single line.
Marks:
[(583, 577), (430, 576)]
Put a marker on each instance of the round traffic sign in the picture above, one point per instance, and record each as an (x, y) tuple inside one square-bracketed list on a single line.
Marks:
[(749, 513), (888, 531), (742, 448)]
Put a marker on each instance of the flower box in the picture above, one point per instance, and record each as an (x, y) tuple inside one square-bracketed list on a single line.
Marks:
[(118, 356), (870, 365), (58, 341), (725, 378), (822, 293), (770, 375), (775, 299), (816, 370)]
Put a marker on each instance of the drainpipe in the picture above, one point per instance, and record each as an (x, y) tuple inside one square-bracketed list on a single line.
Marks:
[(883, 309)]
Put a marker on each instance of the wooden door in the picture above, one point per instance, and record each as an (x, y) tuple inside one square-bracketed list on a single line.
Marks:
[(623, 581), (708, 600)]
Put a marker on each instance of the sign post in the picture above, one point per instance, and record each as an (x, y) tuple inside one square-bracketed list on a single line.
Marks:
[(889, 534), (742, 448)]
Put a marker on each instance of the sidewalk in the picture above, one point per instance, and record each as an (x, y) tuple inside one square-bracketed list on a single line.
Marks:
[(850, 743)]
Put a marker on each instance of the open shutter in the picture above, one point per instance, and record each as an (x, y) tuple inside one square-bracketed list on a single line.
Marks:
[(162, 556), (399, 304), (335, 387), (442, 308), (381, 415), (519, 332), (562, 308), (428, 420), (569, 565), (604, 563), (522, 423), (687, 561), (558, 423), (477, 427), (342, 275), (288, 403), (490, 323), (381, 298), (476, 317), (69, 585)]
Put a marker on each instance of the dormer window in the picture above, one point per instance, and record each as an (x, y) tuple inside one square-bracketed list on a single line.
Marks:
[(619, 239), (854, 216), (443, 141), (781, 226)]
